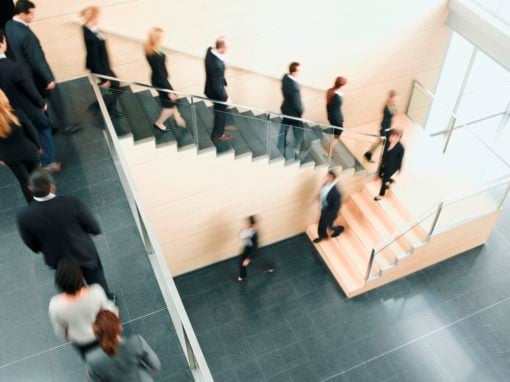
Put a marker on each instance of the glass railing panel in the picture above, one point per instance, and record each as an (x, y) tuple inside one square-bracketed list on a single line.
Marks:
[(419, 104), (349, 151)]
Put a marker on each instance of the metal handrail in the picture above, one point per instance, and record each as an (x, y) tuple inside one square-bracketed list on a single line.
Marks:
[(188, 338), (229, 104)]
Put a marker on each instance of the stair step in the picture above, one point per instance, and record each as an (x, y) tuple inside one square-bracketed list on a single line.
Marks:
[(367, 235), (370, 209), (138, 124), (397, 213), (248, 134), (260, 126), (152, 109), (338, 262), (185, 137), (204, 127)]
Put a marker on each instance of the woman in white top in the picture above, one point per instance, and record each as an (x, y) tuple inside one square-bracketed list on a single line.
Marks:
[(73, 312)]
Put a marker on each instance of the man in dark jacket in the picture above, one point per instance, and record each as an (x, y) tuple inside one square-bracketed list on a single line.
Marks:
[(215, 87), (331, 201), (292, 107), (24, 48), (61, 227)]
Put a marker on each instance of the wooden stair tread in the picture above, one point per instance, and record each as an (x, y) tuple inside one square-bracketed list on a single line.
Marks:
[(338, 262)]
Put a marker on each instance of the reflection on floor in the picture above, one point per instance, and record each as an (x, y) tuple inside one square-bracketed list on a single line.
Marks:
[(29, 351), (446, 323)]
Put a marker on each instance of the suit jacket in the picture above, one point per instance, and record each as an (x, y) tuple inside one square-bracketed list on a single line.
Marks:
[(333, 202), (7, 11), (386, 122), (22, 143), (24, 48), (60, 228), (392, 161), (334, 109), (215, 82), (291, 105), (131, 363), (19, 88), (97, 60)]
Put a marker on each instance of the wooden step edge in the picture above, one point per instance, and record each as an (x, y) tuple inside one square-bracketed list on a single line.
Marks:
[(340, 267)]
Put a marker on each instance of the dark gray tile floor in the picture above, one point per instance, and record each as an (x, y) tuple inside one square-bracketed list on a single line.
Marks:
[(449, 322), (29, 351)]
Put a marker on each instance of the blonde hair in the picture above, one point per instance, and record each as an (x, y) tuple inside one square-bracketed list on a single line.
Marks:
[(7, 118), (89, 13), (151, 46)]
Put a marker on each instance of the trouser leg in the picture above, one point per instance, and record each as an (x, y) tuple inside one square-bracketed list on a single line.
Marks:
[(384, 187), (58, 105), (298, 131), (323, 226), (42, 124), (219, 120), (21, 171), (96, 276)]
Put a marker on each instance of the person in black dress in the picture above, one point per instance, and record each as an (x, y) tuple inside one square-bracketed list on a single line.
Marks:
[(390, 109), (97, 60), (19, 144), (334, 100), (159, 79), (391, 161)]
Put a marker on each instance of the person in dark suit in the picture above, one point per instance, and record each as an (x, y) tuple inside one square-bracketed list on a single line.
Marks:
[(159, 79), (334, 100), (215, 87), (6, 12), (22, 94), (250, 239), (331, 201), (19, 144), (97, 60), (391, 161), (60, 227), (390, 109), (25, 48), (292, 107)]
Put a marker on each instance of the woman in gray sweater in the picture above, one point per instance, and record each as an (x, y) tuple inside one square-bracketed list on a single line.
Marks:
[(119, 359)]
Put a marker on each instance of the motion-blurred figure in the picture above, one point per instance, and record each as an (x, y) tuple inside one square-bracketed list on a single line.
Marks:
[(334, 100), (331, 202), (391, 161)]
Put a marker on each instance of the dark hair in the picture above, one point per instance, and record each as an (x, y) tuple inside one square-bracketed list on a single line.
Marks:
[(69, 278), (23, 6), (293, 67), (220, 42), (2, 36), (251, 220), (332, 174), (339, 82), (107, 328), (40, 182)]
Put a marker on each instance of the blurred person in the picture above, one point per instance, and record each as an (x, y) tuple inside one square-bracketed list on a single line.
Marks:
[(73, 312), (390, 109), (250, 239), (159, 78), (391, 161), (215, 88), (61, 227), (334, 100), (330, 202), (23, 95), (119, 358), (19, 144), (25, 48), (6, 12), (293, 107), (97, 60)]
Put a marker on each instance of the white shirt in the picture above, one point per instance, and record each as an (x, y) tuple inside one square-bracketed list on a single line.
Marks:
[(96, 32), (217, 54), (341, 94), (293, 78), (324, 193), (16, 18), (2, 55), (246, 235), (45, 198)]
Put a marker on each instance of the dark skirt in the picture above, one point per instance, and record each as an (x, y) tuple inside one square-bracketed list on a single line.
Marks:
[(166, 103), (335, 122)]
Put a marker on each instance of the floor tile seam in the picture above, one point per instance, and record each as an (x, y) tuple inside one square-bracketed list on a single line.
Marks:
[(69, 343), (417, 339)]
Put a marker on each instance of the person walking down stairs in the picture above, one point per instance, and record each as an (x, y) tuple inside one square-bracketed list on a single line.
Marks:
[(334, 100), (159, 79), (331, 201), (391, 161), (215, 88)]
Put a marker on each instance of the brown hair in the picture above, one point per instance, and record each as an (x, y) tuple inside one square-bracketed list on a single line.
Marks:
[(107, 329), (151, 46), (339, 82), (293, 67), (89, 13), (220, 42), (396, 132), (7, 118)]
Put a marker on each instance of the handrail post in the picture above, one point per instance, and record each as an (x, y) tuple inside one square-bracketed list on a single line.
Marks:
[(381, 154), (436, 218), (451, 126), (370, 263), (413, 83), (194, 121), (268, 136), (505, 194)]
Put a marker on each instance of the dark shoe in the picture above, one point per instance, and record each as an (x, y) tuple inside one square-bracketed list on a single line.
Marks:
[(223, 138), (377, 198), (318, 240), (231, 128), (368, 157), (338, 231), (159, 129), (71, 129), (113, 298)]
